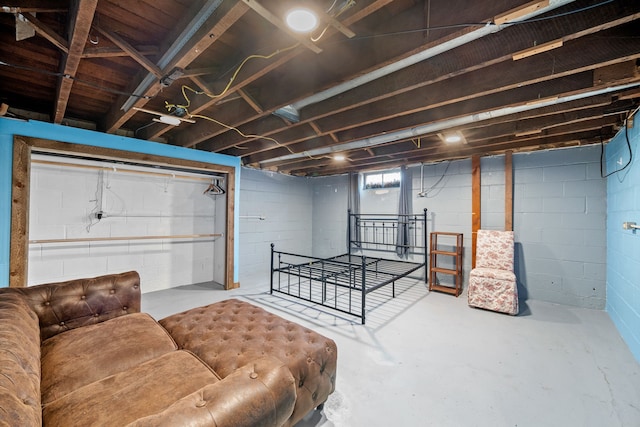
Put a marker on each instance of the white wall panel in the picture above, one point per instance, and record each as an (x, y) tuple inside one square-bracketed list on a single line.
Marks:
[(65, 199)]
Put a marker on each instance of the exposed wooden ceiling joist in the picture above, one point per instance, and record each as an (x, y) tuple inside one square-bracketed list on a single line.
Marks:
[(409, 71)]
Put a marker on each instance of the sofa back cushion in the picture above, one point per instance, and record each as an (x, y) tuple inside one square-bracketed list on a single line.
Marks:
[(19, 362), (75, 303)]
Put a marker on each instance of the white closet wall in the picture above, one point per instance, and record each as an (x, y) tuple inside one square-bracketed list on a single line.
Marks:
[(111, 218)]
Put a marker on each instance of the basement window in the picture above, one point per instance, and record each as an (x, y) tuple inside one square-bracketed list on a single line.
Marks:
[(374, 181)]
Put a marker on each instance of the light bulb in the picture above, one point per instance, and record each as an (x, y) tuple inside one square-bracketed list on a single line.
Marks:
[(302, 20)]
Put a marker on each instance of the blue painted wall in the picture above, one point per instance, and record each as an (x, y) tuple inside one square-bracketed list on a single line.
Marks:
[(10, 127), (623, 246)]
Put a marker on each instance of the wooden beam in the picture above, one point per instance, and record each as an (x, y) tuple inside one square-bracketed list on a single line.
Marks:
[(131, 51), (27, 6), (44, 31), (79, 22), (315, 128), (249, 100), (19, 254), (519, 11), (112, 52), (475, 206), (266, 14), (508, 191), (337, 25)]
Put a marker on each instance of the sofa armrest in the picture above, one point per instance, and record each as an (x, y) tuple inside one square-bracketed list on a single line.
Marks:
[(68, 305), (261, 393)]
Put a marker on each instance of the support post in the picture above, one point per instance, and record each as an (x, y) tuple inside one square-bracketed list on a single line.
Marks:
[(475, 206), (508, 191), (271, 291)]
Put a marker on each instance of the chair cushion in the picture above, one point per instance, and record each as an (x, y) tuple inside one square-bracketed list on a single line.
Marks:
[(493, 273), (138, 392), (78, 357)]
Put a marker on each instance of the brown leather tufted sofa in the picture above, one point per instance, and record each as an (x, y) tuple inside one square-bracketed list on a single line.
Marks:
[(80, 353)]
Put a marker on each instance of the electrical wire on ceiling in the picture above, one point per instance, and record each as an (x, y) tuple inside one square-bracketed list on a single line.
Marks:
[(185, 88), (348, 4), (231, 80), (626, 136), (75, 79)]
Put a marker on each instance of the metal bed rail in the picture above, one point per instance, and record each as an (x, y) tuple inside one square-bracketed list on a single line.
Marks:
[(340, 283), (328, 282)]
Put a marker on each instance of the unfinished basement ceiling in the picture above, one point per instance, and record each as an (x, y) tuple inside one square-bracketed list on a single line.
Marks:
[(382, 84)]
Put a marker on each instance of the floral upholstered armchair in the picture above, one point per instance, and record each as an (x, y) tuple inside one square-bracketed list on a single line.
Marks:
[(492, 283)]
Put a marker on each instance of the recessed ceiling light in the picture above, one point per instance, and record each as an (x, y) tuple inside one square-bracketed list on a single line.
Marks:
[(301, 20), (452, 138)]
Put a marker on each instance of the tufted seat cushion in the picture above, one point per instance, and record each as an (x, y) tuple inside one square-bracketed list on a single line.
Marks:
[(232, 333), (143, 390), (78, 357)]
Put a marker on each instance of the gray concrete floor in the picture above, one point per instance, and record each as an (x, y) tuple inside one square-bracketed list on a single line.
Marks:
[(427, 359)]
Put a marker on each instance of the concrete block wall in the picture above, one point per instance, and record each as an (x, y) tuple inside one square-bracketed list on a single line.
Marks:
[(447, 197), (559, 217), (330, 204), (62, 206), (623, 246), (559, 224), (285, 203)]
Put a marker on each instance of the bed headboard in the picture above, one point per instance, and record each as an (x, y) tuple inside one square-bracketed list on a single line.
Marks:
[(393, 233)]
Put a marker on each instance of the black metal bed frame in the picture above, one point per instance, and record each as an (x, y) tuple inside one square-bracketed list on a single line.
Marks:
[(342, 282)]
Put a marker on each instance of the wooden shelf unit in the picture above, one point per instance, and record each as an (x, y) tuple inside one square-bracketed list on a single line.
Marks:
[(456, 253)]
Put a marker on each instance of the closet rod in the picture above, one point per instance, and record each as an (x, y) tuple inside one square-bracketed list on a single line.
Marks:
[(114, 168), (111, 239)]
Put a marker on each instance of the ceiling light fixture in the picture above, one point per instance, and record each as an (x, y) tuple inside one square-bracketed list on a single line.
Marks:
[(168, 120), (339, 158), (301, 20), (453, 137)]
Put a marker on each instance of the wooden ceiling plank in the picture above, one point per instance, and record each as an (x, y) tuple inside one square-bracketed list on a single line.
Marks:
[(80, 17), (424, 74), (113, 52), (458, 89), (46, 32), (266, 14), (131, 51)]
